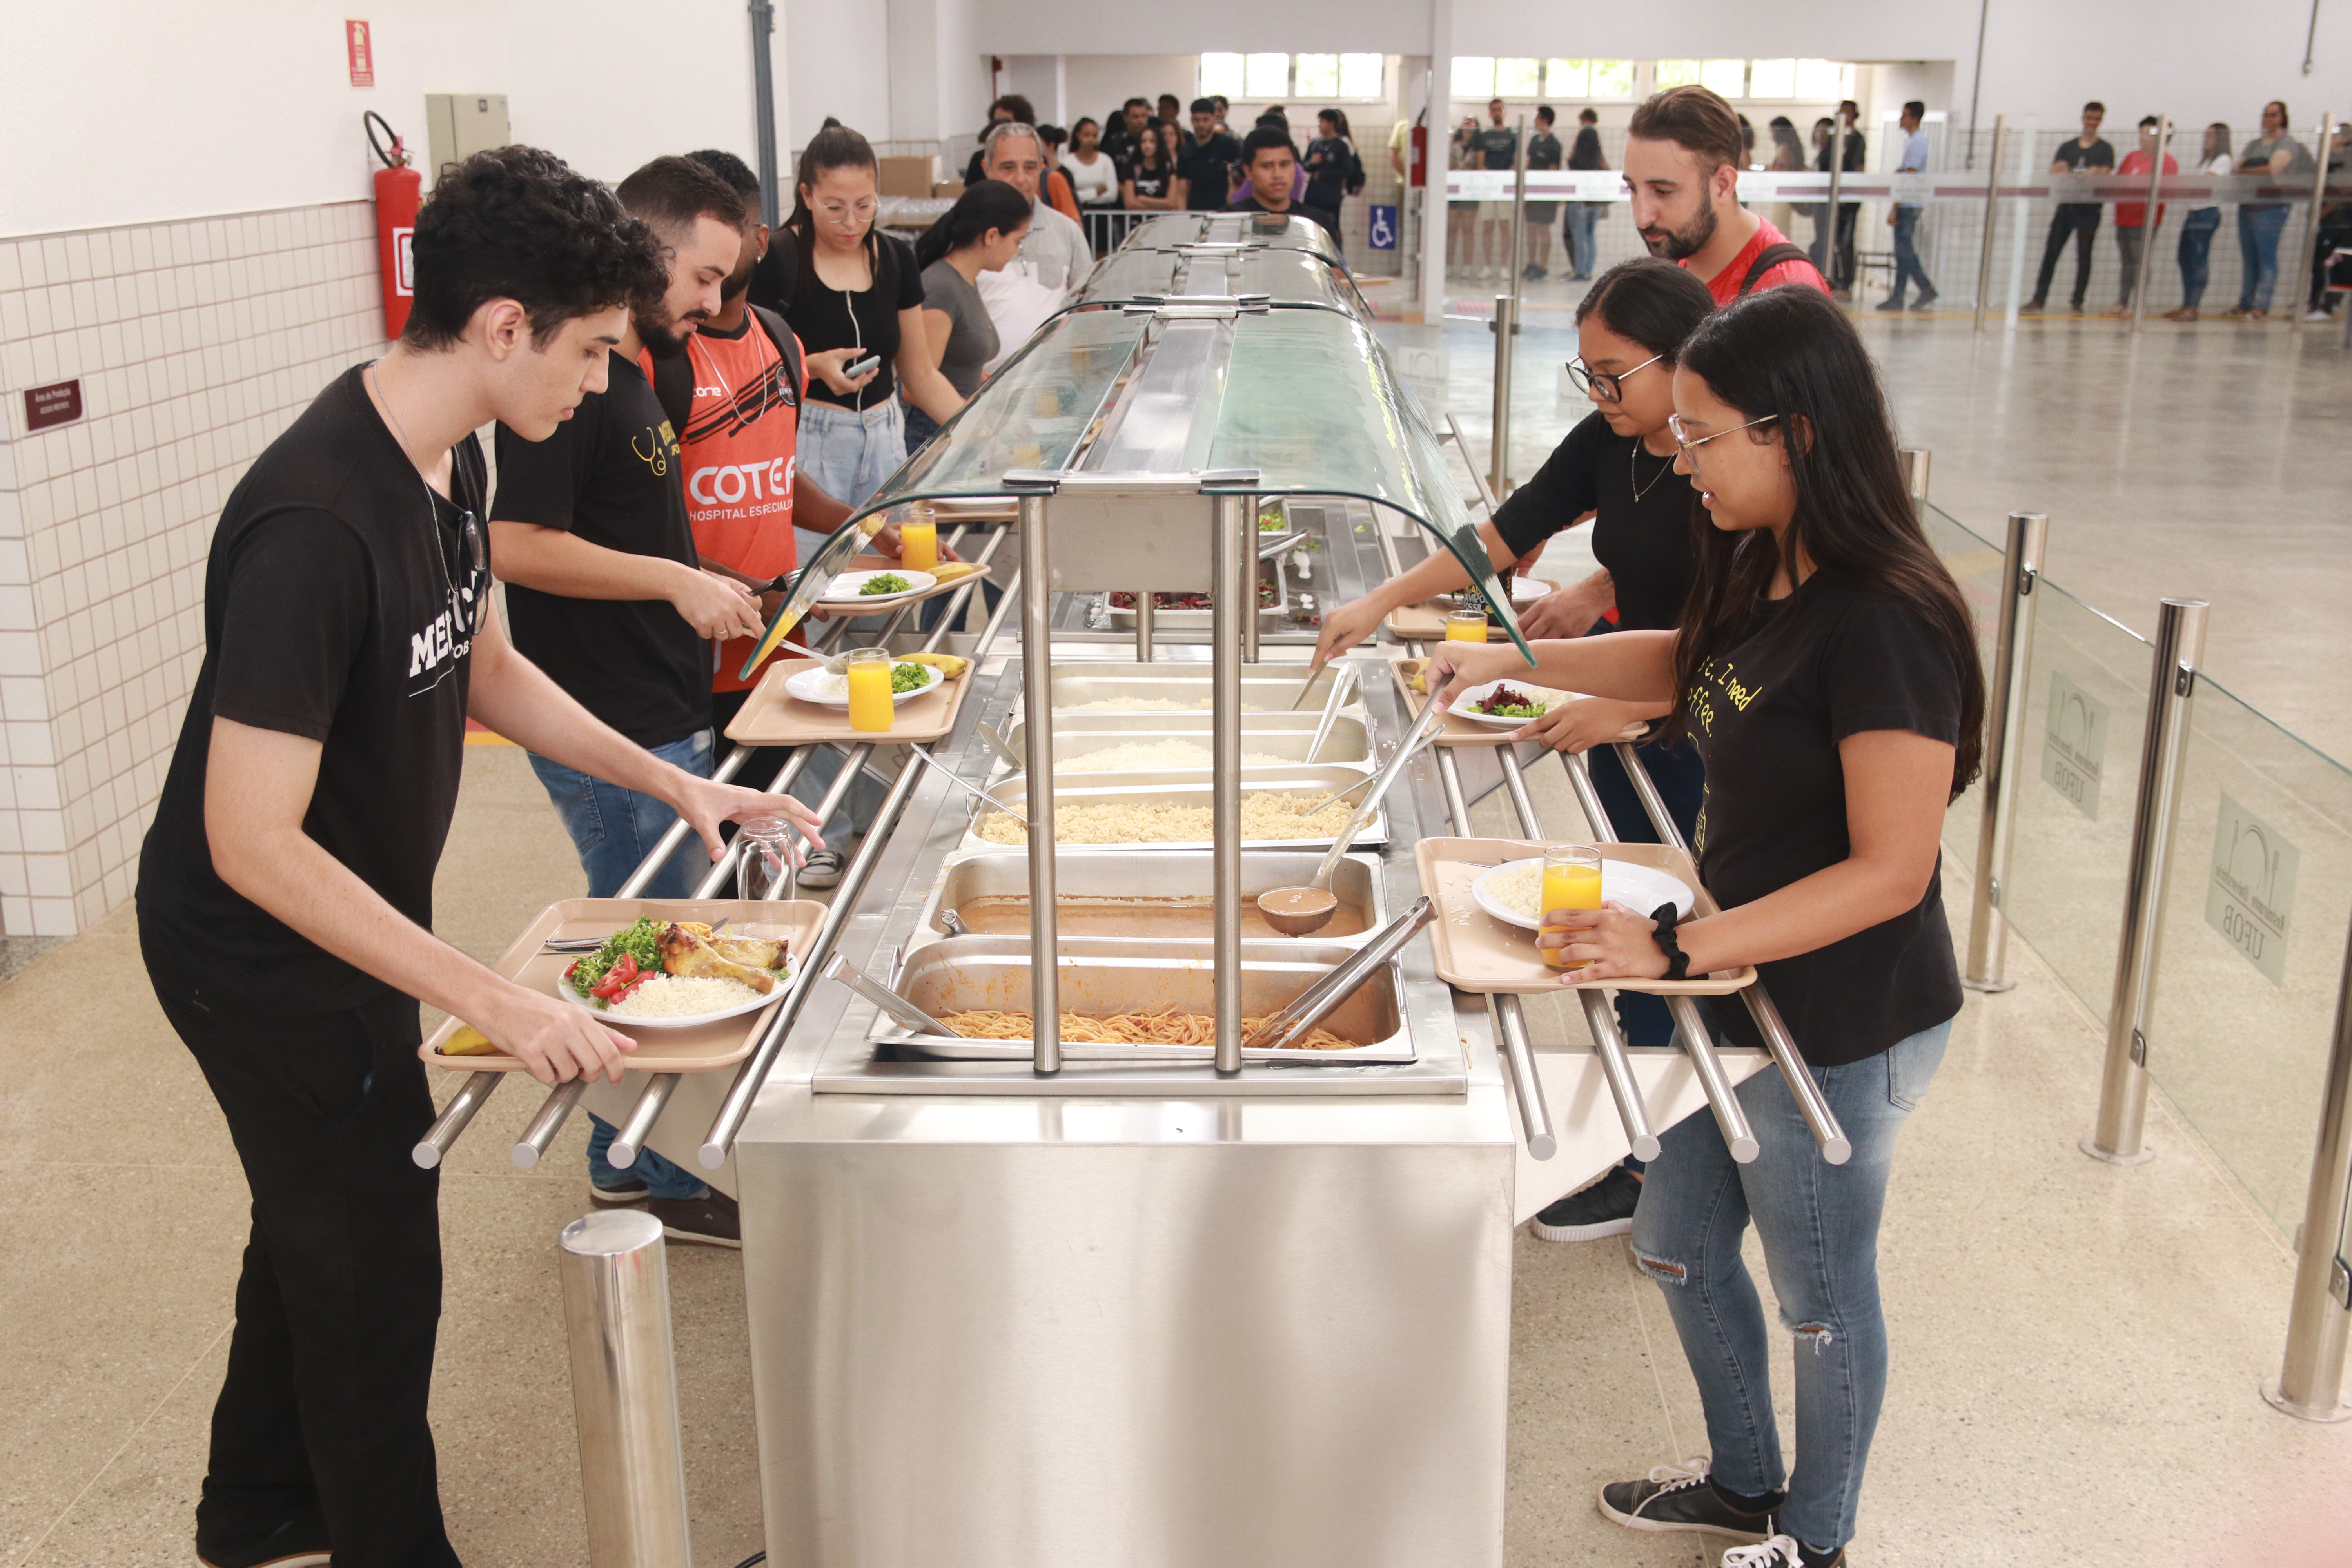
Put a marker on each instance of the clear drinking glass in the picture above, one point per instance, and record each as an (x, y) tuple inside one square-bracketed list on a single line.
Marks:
[(1571, 881), (764, 864), (867, 670), (1466, 623)]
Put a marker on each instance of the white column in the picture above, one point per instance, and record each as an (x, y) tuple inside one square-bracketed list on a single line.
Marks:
[(1438, 97)]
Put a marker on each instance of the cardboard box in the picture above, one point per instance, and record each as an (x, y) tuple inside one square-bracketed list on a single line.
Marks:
[(951, 189), (908, 176)]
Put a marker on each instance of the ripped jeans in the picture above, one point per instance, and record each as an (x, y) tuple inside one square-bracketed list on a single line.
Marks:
[(1819, 1223)]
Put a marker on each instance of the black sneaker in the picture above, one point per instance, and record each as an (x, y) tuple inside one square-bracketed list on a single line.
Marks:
[(1680, 1496), (1781, 1551), (1923, 301), (712, 1219), (632, 1190), (297, 1543), (821, 870), (1893, 302), (1604, 1208)]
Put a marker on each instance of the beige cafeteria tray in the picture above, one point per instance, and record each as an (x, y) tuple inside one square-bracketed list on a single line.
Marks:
[(842, 609), (1476, 952), (1425, 622), (704, 1047), (1456, 730), (773, 717)]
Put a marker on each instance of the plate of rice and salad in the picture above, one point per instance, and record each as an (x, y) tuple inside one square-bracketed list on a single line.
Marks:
[(1507, 704), (675, 974)]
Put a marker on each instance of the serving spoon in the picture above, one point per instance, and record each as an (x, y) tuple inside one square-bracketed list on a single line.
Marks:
[(1302, 911)]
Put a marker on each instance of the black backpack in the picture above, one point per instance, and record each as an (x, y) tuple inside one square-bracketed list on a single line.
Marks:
[(1772, 256), (674, 377)]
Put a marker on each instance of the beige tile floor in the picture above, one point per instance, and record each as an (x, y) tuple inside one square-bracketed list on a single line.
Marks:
[(2077, 1347)]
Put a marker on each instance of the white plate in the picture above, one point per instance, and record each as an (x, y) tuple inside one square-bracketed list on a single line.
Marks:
[(1527, 590), (1639, 887), (843, 588), (1550, 699), (802, 683), (625, 1023)]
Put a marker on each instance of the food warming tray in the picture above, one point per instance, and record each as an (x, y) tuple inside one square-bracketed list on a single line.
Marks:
[(1267, 687), (1076, 734), (704, 1047), (1104, 977), (1106, 872), (1476, 952), (1188, 787)]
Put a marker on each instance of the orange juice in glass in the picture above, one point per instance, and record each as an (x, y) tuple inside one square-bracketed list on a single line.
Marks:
[(1467, 622), (919, 541), (868, 673), (1571, 881)]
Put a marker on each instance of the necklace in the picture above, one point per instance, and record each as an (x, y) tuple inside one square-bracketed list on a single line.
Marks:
[(1633, 475), (466, 523)]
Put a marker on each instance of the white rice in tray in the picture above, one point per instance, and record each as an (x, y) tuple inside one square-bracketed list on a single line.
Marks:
[(670, 997), (1264, 815), (1519, 889), (1130, 757), (1149, 705)]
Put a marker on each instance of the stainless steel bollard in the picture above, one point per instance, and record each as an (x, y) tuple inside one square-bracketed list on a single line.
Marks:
[(2163, 753), (1915, 461), (1038, 705), (2149, 216), (624, 1390), (2029, 534), (1991, 215), (2310, 1383)]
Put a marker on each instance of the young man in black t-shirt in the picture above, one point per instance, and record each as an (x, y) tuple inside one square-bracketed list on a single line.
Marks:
[(1271, 164), (2088, 154), (1544, 151), (286, 889), (1207, 159)]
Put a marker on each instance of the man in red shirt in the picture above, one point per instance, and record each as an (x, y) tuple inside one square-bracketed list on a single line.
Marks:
[(1683, 153), (2131, 217)]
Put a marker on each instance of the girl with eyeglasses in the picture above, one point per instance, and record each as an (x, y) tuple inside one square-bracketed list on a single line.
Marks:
[(1826, 668), (853, 286), (1616, 468)]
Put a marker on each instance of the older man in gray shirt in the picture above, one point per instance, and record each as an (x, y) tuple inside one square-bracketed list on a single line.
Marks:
[(1054, 257)]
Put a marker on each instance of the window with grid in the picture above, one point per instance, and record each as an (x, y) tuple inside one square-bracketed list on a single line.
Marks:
[(1277, 79)]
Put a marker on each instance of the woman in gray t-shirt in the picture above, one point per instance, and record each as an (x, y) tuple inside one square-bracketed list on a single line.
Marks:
[(2278, 156), (982, 233)]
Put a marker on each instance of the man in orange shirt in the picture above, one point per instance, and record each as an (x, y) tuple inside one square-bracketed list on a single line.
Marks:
[(1683, 153)]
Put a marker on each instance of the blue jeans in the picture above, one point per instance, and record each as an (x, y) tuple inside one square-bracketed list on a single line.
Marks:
[(1819, 1223), (2195, 253), (2258, 242), (1582, 252), (848, 452), (1906, 261), (614, 829)]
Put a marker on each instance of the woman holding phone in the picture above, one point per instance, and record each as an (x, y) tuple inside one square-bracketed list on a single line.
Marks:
[(1826, 668), (853, 286)]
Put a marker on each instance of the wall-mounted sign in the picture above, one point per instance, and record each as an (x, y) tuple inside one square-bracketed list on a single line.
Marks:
[(2251, 893), (2074, 744), (57, 404), (361, 51), (1383, 233)]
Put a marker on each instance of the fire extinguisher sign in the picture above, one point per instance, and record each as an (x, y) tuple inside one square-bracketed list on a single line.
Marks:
[(404, 280), (361, 51)]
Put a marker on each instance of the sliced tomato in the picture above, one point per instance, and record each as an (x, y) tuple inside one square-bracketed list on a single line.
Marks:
[(617, 979)]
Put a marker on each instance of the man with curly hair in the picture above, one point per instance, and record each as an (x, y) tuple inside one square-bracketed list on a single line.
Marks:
[(286, 889)]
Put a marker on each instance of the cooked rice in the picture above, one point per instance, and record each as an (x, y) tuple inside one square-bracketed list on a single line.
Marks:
[(670, 996), (1519, 889), (1264, 815), (1131, 755)]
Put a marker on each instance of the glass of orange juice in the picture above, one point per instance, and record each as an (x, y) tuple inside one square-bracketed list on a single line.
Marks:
[(1467, 622), (919, 541), (868, 672), (1571, 881)]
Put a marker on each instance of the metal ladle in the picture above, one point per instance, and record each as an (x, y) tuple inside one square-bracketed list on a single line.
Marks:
[(966, 785), (1302, 911)]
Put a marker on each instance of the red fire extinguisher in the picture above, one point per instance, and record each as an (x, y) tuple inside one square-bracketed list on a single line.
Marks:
[(1418, 169), (399, 192)]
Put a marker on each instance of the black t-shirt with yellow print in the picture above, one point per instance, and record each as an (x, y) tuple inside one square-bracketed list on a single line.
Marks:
[(611, 475), (1832, 659)]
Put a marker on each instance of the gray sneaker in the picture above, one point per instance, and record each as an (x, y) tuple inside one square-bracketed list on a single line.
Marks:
[(823, 869), (1680, 1496)]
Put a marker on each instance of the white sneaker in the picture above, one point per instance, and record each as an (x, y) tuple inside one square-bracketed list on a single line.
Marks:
[(2317, 316)]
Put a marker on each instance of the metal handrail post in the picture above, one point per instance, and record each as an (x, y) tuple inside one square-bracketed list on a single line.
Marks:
[(1233, 564), (1147, 612), (2163, 756), (2308, 250), (1249, 568), (1915, 461), (1519, 1053), (1505, 324), (2029, 533), (431, 1148), (2310, 1383), (1841, 134), (652, 1101), (2147, 220), (1992, 218), (1037, 703), (624, 1390), (531, 1147)]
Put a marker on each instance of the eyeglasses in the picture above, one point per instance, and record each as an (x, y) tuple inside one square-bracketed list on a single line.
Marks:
[(863, 210), (1609, 386), (1690, 447)]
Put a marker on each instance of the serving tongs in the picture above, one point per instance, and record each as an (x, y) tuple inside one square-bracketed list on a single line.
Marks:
[(1311, 1007), (964, 783)]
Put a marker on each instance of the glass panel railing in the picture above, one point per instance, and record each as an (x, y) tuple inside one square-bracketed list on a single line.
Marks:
[(2252, 952), (1977, 565), (2085, 706)]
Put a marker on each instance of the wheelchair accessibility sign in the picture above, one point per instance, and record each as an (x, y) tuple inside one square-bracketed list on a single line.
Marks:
[(1384, 229)]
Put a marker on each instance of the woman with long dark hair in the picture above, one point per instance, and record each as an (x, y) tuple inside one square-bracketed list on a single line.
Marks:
[(1151, 184), (1617, 467), (1826, 668), (854, 285), (982, 233), (1093, 174), (2197, 229)]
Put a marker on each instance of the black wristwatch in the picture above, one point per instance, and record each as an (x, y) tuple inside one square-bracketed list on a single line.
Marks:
[(1677, 961)]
